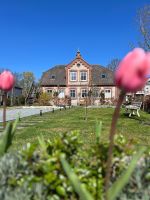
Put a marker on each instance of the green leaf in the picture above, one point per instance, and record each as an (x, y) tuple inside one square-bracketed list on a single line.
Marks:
[(98, 131), (5, 140), (116, 188), (60, 190), (14, 127), (7, 137), (42, 143), (80, 190)]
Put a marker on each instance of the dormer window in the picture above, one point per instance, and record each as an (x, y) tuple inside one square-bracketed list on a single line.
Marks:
[(103, 75), (53, 76)]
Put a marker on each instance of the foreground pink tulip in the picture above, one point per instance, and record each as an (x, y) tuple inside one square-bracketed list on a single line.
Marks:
[(133, 70), (7, 81)]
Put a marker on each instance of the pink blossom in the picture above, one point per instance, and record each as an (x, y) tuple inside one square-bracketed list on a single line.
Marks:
[(131, 74), (7, 81)]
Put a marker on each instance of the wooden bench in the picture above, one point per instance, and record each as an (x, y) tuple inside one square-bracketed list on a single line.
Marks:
[(134, 107)]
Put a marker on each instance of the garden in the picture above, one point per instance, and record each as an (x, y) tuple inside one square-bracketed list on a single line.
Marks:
[(50, 125), (37, 169)]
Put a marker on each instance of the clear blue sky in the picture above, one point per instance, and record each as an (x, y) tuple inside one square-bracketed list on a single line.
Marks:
[(38, 34)]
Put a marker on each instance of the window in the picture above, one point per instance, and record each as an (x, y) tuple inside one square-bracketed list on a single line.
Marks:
[(53, 77), (107, 91), (103, 75), (83, 76), (84, 93), (73, 76), (78, 64), (72, 93), (49, 91)]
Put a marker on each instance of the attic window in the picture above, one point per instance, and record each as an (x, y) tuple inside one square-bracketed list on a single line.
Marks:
[(78, 64), (103, 75), (53, 77)]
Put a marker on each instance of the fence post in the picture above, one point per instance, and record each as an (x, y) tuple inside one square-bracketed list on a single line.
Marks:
[(41, 113)]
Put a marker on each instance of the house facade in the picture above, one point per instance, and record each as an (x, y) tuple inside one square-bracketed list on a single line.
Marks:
[(79, 79)]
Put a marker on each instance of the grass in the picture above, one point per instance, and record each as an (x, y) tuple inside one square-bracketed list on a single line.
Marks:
[(51, 124)]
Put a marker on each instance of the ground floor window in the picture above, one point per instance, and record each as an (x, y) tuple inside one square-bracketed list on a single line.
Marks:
[(72, 93), (84, 93), (49, 91)]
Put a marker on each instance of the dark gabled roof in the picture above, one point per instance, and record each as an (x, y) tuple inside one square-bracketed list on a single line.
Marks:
[(60, 76), (97, 71)]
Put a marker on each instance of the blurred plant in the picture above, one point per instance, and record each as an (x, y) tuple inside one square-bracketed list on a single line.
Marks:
[(7, 137), (130, 76), (40, 172)]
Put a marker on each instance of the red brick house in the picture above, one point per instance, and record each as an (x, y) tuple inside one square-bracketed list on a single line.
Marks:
[(78, 79)]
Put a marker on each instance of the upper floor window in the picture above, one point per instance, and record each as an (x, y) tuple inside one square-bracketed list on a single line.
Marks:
[(103, 75), (83, 76), (73, 76)]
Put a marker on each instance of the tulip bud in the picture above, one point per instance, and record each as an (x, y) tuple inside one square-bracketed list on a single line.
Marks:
[(7, 81), (131, 74)]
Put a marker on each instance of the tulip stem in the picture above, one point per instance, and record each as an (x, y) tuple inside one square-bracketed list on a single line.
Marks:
[(4, 109), (111, 139)]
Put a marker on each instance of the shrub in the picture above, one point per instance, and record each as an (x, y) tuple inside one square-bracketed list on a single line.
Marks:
[(37, 173), (44, 99)]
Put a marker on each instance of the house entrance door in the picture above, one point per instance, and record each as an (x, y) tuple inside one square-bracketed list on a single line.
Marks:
[(61, 94), (107, 93)]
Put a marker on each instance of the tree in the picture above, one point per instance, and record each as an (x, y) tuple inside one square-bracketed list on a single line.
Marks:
[(144, 26), (19, 78), (28, 78), (113, 64)]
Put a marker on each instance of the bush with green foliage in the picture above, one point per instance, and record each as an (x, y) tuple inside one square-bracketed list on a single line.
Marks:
[(44, 99), (42, 172)]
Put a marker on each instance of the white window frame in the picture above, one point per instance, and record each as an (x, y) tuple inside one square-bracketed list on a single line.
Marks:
[(74, 93), (81, 76), (75, 73), (49, 91), (84, 93), (107, 90)]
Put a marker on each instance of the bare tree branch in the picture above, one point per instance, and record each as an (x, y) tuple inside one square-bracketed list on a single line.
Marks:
[(144, 26)]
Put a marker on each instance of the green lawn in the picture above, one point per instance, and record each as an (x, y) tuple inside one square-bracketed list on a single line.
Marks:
[(51, 124)]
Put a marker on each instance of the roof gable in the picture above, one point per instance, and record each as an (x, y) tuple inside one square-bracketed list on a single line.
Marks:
[(78, 59)]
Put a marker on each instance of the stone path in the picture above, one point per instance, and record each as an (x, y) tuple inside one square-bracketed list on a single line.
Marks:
[(12, 114)]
